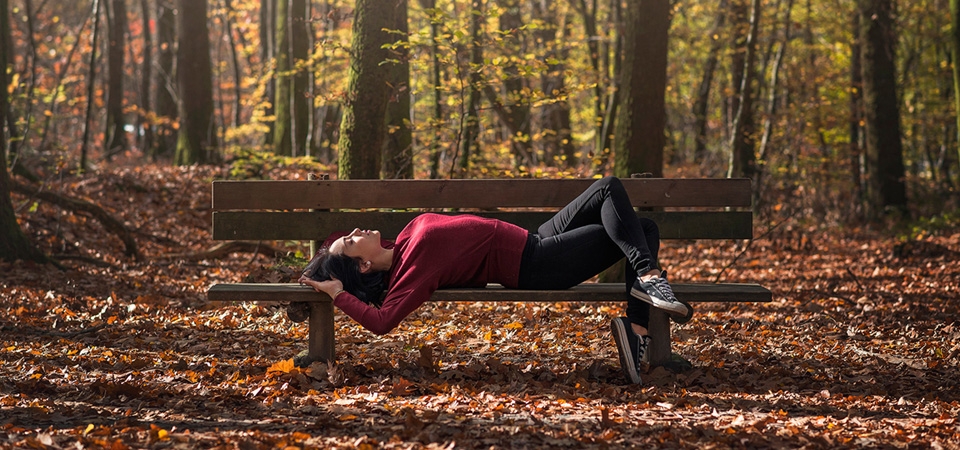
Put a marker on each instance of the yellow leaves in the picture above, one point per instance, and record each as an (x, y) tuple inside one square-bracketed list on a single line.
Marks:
[(513, 326), (284, 366)]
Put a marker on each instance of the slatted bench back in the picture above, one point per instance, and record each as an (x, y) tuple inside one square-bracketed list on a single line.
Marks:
[(304, 210)]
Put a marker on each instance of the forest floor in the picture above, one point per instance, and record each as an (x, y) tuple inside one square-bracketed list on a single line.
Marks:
[(860, 347)]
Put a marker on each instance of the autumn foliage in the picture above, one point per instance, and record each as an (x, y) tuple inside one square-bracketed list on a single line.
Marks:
[(859, 347)]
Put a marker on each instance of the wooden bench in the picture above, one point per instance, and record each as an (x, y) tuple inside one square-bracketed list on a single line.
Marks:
[(311, 210)]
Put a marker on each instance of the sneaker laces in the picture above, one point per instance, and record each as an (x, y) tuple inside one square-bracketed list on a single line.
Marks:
[(662, 284)]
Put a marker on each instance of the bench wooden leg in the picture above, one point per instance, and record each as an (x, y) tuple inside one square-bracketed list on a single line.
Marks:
[(321, 335), (659, 330), (661, 353)]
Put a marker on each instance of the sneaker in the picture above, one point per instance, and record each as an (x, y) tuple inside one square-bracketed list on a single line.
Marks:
[(632, 348), (657, 292)]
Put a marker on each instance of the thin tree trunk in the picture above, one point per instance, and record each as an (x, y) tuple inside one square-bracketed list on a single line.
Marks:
[(52, 105), (300, 89), (283, 80), (268, 47), (743, 158), (146, 142), (235, 60), (703, 91), (117, 23), (436, 125), (167, 112), (91, 79), (856, 115), (516, 117), (955, 51), (398, 148), (469, 141)]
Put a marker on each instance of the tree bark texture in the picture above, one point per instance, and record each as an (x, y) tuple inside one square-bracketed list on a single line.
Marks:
[(856, 115), (469, 138), (13, 244), (91, 78), (302, 97), (268, 20), (196, 139), (283, 79), (362, 129), (955, 44), (743, 158), (166, 79), (555, 128), (517, 117), (706, 82), (639, 133), (884, 147), (146, 81), (398, 149), (116, 46)]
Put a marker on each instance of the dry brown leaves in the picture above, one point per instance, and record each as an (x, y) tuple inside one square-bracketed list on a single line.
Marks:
[(859, 348)]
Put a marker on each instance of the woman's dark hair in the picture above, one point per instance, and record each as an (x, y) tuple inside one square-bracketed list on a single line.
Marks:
[(370, 288)]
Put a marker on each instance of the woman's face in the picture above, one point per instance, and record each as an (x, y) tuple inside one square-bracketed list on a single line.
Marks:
[(359, 244)]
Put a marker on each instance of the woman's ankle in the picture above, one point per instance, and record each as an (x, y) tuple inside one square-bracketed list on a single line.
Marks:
[(640, 331)]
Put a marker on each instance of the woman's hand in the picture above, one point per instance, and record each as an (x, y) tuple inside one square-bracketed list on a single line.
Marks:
[(330, 287)]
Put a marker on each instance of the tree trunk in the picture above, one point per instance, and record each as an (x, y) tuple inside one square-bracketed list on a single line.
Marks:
[(166, 80), (302, 94), (144, 124), (235, 62), (639, 138), (470, 122), (91, 78), (117, 25), (436, 126), (955, 41), (268, 46), (362, 129), (398, 151), (196, 139), (555, 133), (703, 91), (856, 115), (743, 158), (13, 244), (283, 80), (517, 109), (884, 149)]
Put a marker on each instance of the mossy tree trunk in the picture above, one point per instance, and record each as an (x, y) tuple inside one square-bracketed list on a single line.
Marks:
[(363, 128), (197, 138)]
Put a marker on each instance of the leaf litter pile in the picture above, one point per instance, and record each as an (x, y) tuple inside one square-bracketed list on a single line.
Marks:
[(860, 346)]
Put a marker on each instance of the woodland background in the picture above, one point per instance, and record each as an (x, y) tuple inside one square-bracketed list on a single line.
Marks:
[(117, 115)]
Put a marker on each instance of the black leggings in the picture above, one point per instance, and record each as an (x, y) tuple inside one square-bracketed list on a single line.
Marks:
[(586, 237)]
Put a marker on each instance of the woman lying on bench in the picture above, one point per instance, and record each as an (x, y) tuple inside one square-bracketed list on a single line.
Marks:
[(380, 283)]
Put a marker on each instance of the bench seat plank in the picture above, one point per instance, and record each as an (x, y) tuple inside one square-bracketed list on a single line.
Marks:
[(587, 292), (260, 225), (477, 193)]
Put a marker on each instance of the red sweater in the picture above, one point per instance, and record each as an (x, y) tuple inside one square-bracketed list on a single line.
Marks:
[(436, 251)]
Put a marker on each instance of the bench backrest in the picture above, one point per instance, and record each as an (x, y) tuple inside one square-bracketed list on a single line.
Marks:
[(305, 210)]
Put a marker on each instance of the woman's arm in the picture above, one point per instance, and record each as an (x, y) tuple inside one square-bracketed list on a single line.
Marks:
[(401, 300)]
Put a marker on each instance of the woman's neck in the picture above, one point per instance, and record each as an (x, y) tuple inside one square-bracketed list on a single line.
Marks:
[(384, 260)]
